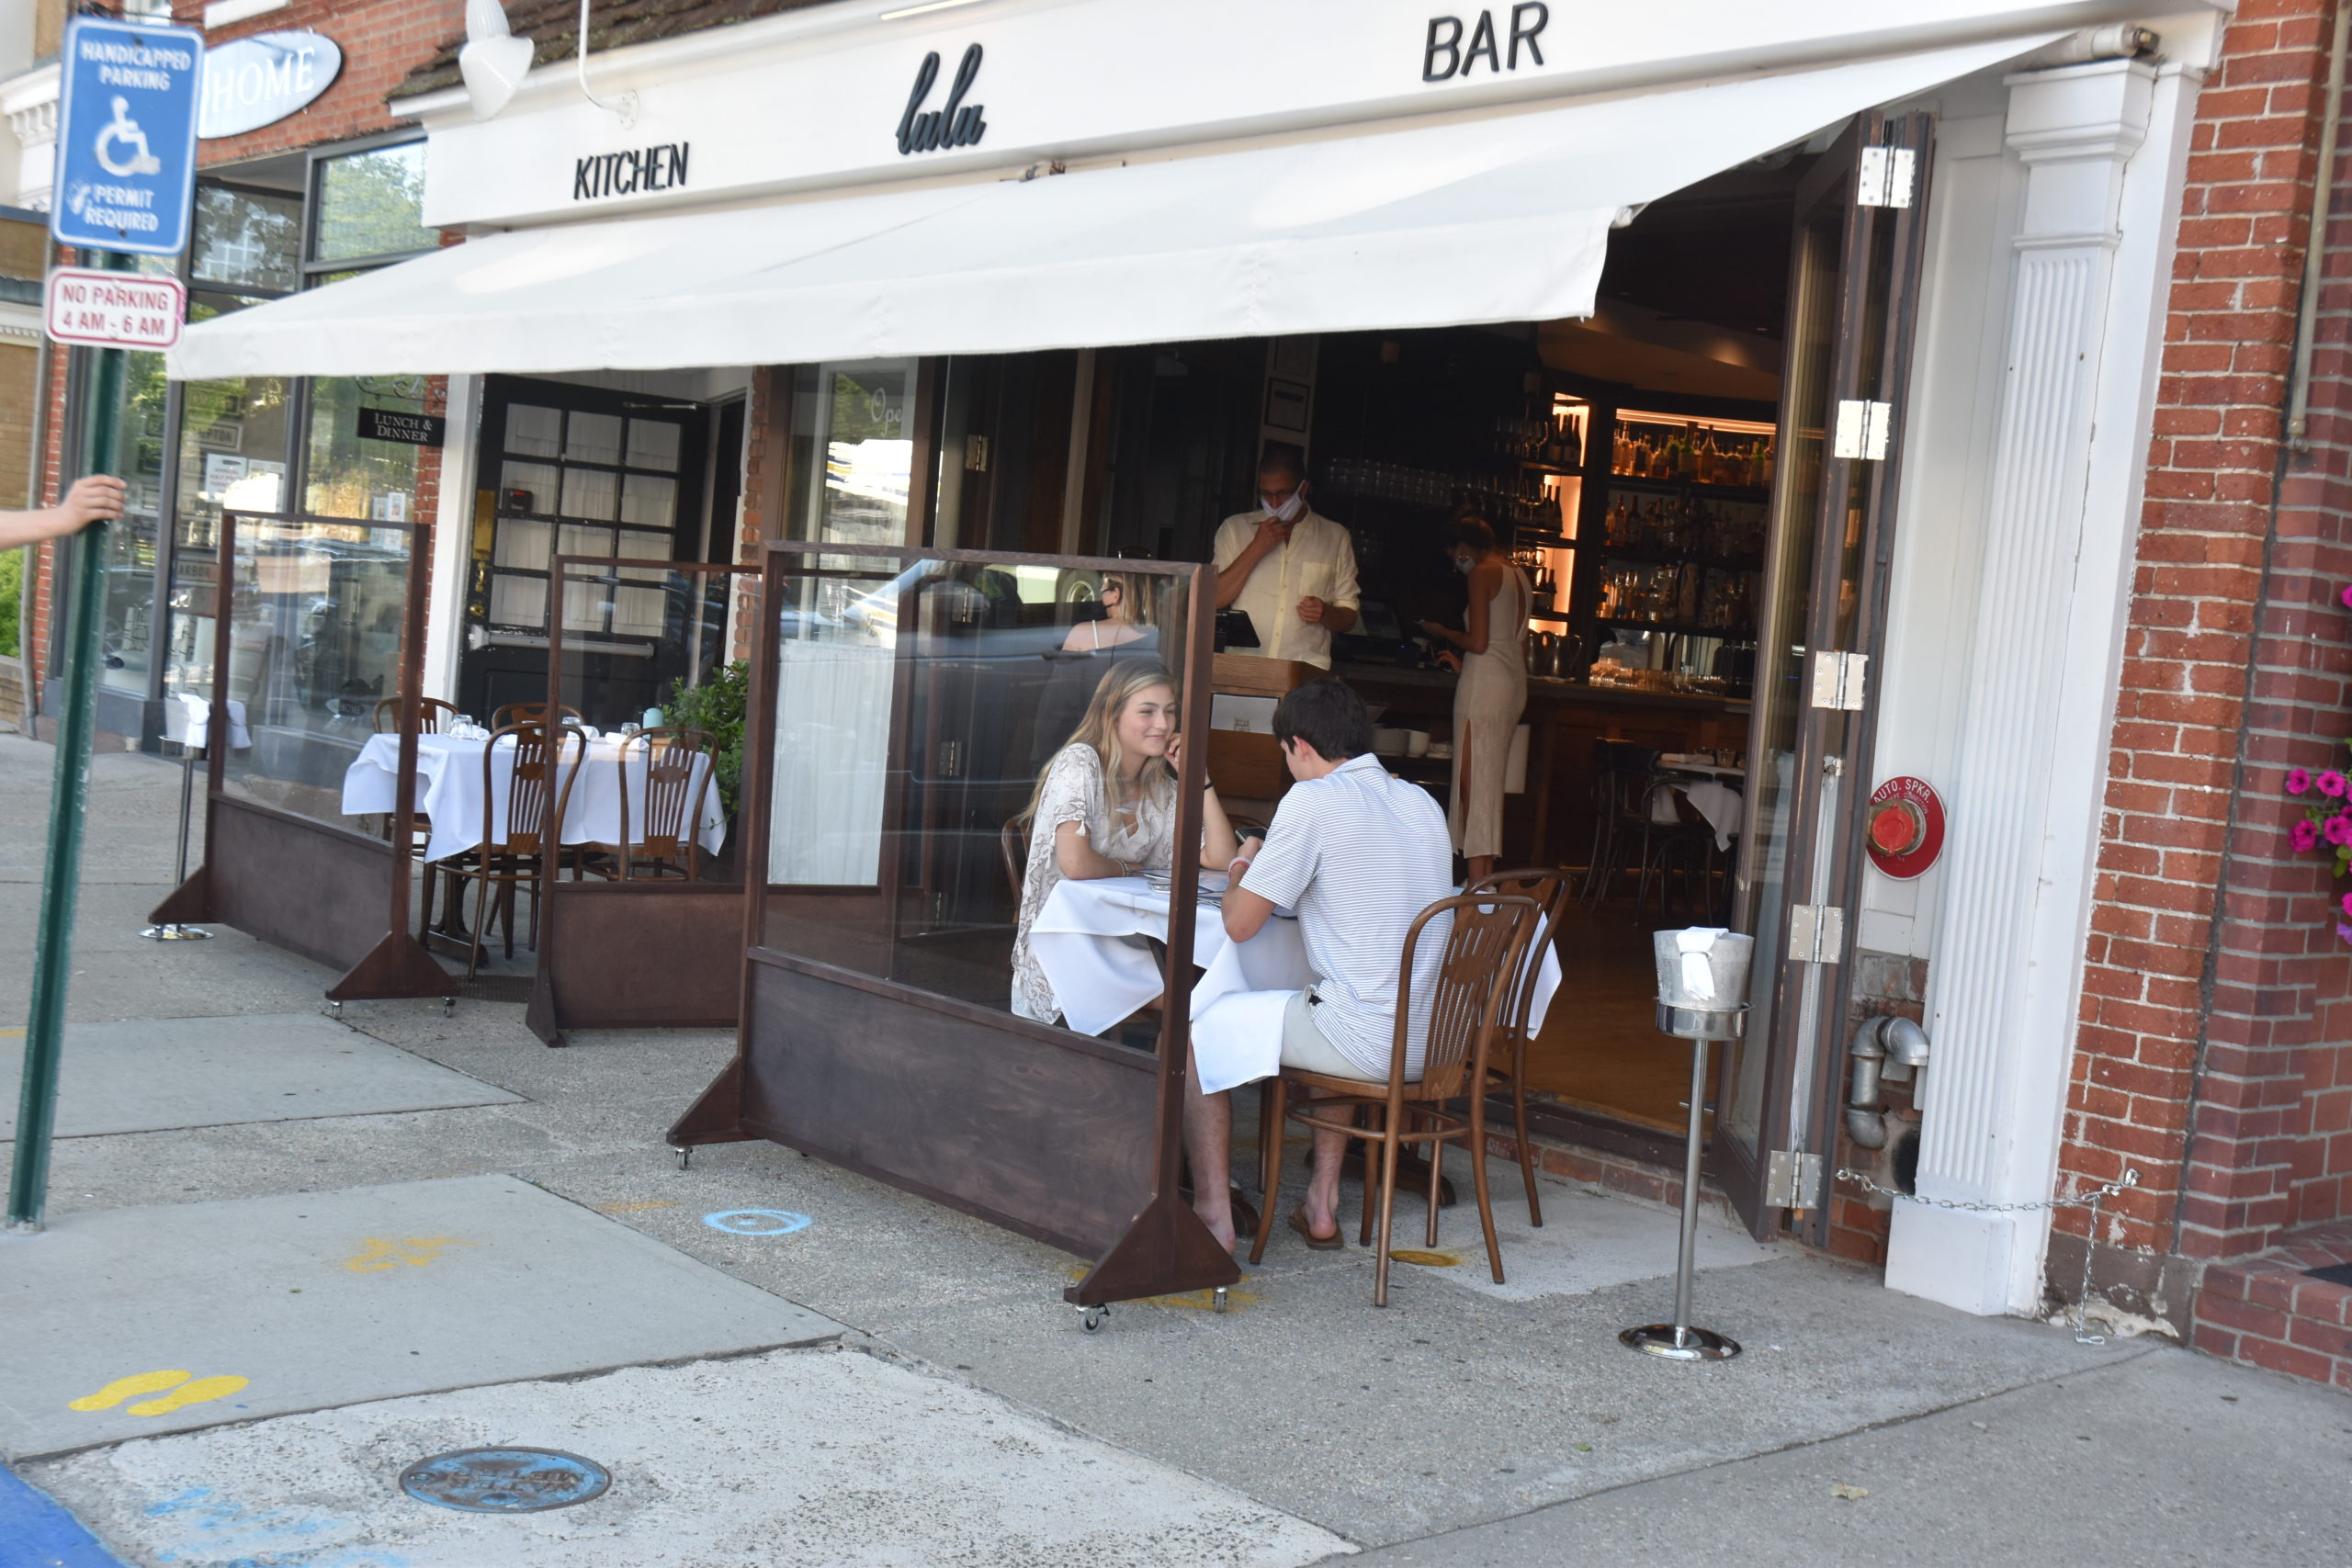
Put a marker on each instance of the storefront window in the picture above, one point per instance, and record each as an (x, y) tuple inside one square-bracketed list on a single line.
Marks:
[(348, 474), (248, 241), (861, 417), (373, 204), (232, 452), (132, 544)]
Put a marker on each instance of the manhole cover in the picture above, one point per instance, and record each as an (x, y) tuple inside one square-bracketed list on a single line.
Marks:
[(505, 1481)]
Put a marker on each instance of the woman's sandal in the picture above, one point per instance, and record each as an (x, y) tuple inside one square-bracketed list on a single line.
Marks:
[(1332, 1243)]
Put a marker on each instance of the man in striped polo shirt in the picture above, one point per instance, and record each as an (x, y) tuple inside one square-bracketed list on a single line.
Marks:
[(1357, 853)]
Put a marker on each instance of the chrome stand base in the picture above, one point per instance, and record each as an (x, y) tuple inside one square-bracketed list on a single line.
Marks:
[(177, 933), (1679, 1345)]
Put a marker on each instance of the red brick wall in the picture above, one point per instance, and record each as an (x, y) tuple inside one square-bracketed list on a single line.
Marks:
[(2212, 967), (382, 42)]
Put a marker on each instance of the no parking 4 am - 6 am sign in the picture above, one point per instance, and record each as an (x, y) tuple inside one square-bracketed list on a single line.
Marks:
[(118, 310)]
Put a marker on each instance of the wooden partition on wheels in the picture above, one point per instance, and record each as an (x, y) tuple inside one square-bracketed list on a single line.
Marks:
[(624, 635), (902, 702), (297, 628)]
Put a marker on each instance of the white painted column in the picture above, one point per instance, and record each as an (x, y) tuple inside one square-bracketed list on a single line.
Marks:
[(2103, 146), (453, 542)]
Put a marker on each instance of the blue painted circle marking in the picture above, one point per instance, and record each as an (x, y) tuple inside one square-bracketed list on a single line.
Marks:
[(757, 1222), (505, 1480)]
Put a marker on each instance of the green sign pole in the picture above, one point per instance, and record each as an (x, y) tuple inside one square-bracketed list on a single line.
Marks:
[(69, 797)]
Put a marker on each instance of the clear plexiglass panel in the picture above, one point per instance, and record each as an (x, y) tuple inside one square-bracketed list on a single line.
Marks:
[(317, 614), (918, 705), (668, 659)]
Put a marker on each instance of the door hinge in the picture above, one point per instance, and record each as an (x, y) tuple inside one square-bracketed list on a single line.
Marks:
[(950, 759), (1886, 178), (1817, 933), (976, 454), (1792, 1181), (1840, 680), (1862, 429)]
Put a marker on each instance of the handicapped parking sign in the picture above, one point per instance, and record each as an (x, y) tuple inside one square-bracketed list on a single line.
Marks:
[(126, 137)]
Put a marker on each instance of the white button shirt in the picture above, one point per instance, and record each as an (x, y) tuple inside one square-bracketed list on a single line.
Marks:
[(1318, 562), (1359, 854)]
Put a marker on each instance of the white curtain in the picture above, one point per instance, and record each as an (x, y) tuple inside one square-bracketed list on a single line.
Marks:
[(833, 748)]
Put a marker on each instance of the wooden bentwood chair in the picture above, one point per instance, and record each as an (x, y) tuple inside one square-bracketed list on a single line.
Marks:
[(1484, 945), (433, 717), (1551, 889), (512, 714), (668, 847), (538, 788)]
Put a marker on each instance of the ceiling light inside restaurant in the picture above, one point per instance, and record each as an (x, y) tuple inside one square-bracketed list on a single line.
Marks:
[(493, 61)]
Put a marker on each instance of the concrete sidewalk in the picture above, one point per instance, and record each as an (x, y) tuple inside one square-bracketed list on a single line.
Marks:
[(1463, 1425)]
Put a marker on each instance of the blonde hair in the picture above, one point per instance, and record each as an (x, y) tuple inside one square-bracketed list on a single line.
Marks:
[(1135, 596), (1099, 730)]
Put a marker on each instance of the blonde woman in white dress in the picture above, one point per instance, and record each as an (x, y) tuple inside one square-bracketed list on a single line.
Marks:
[(1492, 691), (1106, 807)]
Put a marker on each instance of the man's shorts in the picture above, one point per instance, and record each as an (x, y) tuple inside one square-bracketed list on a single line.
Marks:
[(1306, 1047)]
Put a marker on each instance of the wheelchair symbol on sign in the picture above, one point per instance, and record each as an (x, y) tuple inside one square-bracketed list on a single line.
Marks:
[(124, 129)]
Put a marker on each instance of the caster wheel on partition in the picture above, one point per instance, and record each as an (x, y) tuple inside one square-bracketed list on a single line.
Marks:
[(1218, 1304), (1090, 1318), (448, 1006), (334, 1009), (684, 1157)]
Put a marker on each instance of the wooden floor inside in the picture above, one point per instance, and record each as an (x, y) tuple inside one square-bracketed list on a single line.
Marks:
[(1599, 1049)]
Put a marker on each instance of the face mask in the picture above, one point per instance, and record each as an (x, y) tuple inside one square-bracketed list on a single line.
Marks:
[(1462, 566), (1289, 510)]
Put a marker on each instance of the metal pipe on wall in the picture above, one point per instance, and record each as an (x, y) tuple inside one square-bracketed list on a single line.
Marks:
[(2299, 387)]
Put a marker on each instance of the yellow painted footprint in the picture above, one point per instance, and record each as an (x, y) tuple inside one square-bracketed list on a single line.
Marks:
[(188, 1394), (183, 1391), (115, 1393)]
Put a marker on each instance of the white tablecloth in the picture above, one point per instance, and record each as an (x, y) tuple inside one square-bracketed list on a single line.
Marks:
[(449, 792), (1085, 941)]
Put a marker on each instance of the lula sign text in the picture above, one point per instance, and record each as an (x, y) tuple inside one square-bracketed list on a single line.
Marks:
[(1454, 47), (958, 125)]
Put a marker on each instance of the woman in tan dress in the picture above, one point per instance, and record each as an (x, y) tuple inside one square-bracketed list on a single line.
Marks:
[(1492, 693)]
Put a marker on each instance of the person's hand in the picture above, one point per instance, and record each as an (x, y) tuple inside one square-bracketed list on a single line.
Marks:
[(1272, 535), (1434, 628), (1310, 610), (1449, 660), (1176, 752), (91, 499)]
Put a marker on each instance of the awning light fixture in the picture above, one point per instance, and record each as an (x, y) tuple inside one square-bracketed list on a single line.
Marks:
[(493, 62)]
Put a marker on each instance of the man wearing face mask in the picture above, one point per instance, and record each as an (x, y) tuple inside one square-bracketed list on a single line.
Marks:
[(1291, 572)]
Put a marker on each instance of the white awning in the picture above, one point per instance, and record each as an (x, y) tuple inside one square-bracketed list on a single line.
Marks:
[(1499, 219)]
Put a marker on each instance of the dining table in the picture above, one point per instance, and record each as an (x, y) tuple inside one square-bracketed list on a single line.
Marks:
[(1712, 790), (1090, 938), (449, 791)]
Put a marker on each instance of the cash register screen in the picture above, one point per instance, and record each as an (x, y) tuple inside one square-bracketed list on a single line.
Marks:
[(1378, 622)]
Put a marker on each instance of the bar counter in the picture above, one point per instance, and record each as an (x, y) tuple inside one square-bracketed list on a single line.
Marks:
[(1554, 817)]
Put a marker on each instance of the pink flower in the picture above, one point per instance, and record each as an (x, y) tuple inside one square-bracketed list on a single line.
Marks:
[(2343, 931), (2337, 829), (2347, 906), (2297, 780), (2331, 784), (2347, 596), (2305, 835)]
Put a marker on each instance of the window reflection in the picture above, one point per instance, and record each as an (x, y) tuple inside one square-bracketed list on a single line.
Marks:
[(373, 204)]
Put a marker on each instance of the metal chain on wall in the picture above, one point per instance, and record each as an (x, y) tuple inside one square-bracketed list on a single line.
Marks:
[(2091, 1200)]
